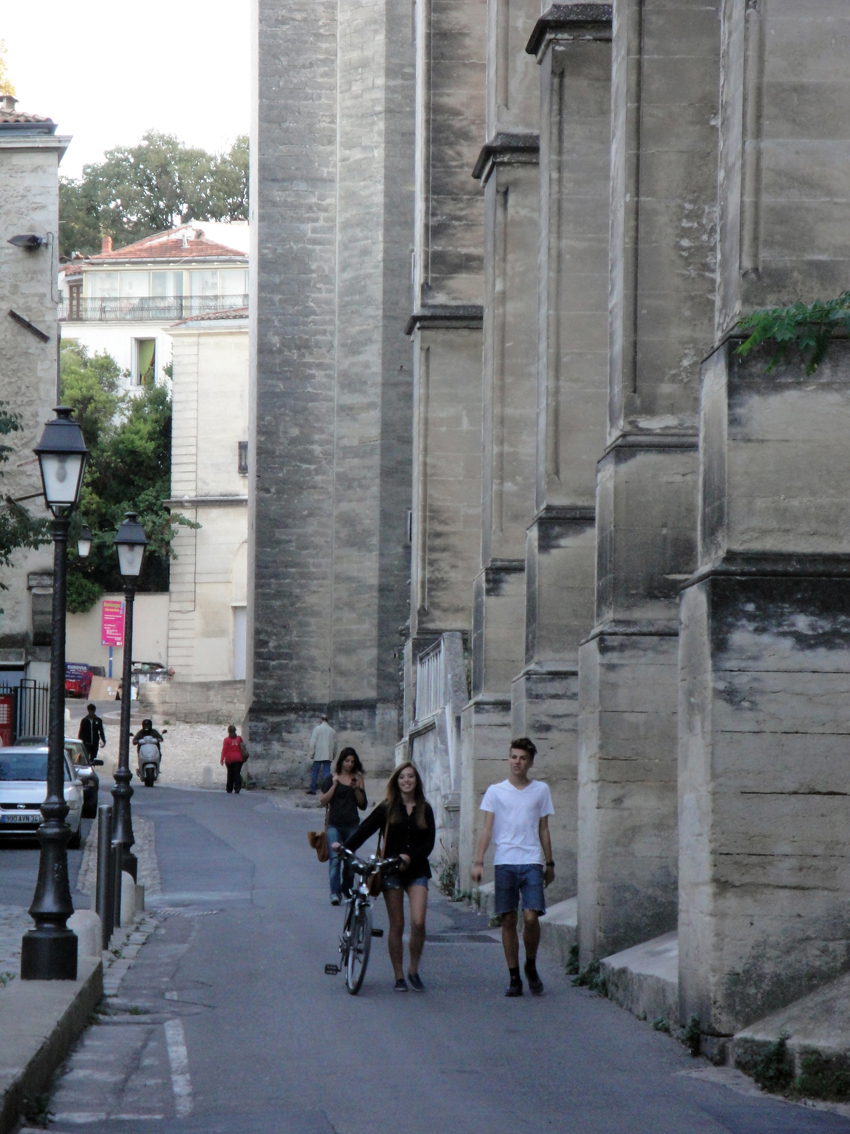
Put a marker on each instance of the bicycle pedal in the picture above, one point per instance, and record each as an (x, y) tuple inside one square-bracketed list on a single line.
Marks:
[(377, 933), (331, 970)]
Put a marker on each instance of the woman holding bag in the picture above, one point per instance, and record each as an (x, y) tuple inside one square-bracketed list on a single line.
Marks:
[(343, 794), (406, 823)]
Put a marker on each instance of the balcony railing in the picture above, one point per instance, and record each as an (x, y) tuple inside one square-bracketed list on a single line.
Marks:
[(146, 309)]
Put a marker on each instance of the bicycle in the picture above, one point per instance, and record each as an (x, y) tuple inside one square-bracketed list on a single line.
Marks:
[(357, 929)]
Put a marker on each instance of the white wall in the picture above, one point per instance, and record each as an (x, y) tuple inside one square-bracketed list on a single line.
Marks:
[(118, 340), (150, 634)]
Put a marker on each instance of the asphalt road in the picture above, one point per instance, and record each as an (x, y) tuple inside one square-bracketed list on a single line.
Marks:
[(227, 1024)]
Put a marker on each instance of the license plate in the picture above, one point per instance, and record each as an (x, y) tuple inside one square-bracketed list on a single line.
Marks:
[(21, 817)]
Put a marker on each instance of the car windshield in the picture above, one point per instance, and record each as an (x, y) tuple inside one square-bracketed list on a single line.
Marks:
[(26, 766)]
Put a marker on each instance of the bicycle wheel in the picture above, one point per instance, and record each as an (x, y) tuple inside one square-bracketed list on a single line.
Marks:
[(345, 939), (358, 950)]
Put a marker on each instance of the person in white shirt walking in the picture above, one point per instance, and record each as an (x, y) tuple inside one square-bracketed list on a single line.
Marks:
[(516, 817), (322, 751)]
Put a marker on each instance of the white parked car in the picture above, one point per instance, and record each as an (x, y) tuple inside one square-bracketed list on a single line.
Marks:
[(23, 789)]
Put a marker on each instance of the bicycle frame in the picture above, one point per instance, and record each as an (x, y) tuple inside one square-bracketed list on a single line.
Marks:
[(357, 931)]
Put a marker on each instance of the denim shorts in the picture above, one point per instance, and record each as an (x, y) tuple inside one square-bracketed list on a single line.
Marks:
[(524, 880), (398, 882)]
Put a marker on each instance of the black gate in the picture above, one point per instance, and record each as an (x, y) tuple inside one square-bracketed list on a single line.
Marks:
[(29, 703)]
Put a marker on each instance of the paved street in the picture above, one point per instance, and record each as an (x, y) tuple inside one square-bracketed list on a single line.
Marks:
[(225, 1023)]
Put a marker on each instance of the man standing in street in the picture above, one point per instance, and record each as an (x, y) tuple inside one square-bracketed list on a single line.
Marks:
[(91, 732), (322, 752), (516, 816)]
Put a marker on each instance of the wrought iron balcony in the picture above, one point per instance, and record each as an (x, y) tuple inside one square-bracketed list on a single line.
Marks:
[(146, 309)]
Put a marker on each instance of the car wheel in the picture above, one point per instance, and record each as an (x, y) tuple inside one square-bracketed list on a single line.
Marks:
[(76, 839)]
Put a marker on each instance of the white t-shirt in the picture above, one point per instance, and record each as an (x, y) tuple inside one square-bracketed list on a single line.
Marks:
[(518, 812)]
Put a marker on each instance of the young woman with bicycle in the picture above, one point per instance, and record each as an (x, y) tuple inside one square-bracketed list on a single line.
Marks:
[(343, 794), (406, 823)]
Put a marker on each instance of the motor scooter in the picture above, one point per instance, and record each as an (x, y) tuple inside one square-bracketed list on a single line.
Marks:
[(150, 758)]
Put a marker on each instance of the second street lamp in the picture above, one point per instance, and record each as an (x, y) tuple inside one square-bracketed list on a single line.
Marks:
[(131, 543), (49, 952), (84, 542)]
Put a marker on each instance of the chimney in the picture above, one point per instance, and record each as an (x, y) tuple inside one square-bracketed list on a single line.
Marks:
[(106, 245), (8, 103)]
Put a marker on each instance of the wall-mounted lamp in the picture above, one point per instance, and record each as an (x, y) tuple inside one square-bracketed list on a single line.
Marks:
[(27, 240)]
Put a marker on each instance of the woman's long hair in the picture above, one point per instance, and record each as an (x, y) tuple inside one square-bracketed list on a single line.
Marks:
[(343, 756), (394, 801)]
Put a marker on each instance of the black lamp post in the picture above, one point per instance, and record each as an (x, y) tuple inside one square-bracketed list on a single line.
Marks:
[(49, 952), (84, 542), (131, 544)]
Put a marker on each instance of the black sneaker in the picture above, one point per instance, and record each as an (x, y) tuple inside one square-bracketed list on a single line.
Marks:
[(335, 899), (535, 984), (416, 982), (400, 985), (514, 989)]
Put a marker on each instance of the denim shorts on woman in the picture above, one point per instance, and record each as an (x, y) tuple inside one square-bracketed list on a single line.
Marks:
[(524, 880), (399, 882)]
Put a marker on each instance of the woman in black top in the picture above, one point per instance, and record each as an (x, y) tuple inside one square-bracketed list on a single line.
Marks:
[(410, 833), (343, 793)]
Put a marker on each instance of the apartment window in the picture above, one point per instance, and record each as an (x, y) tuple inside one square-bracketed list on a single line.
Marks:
[(243, 458), (204, 282), (166, 284), (145, 362), (102, 285), (234, 281)]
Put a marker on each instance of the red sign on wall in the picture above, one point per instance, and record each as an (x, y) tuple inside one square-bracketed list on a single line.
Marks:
[(112, 623), (7, 710)]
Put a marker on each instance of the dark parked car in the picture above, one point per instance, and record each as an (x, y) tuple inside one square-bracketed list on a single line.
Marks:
[(84, 767)]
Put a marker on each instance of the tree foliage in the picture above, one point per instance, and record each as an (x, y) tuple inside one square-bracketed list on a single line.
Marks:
[(6, 85), (807, 327), (139, 190), (129, 469), (17, 527)]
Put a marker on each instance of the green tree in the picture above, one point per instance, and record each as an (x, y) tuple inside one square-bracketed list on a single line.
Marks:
[(139, 190), (17, 527), (6, 85), (129, 469)]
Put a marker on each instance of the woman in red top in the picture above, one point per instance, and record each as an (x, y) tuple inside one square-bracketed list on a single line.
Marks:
[(233, 756)]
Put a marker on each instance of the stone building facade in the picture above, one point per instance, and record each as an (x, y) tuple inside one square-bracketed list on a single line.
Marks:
[(30, 153), (625, 539)]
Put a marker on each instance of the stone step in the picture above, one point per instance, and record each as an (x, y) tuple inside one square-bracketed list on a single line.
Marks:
[(558, 929), (645, 979), (816, 1029)]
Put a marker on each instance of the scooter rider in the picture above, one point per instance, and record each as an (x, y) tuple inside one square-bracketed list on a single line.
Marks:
[(147, 729)]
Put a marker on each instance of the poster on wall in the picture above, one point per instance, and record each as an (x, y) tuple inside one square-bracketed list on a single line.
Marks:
[(112, 623)]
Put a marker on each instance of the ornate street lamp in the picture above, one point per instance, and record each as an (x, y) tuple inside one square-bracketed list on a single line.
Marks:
[(49, 952), (84, 542), (131, 543)]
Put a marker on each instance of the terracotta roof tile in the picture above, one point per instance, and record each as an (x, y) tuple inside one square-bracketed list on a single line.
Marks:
[(19, 116), (228, 313), (169, 246)]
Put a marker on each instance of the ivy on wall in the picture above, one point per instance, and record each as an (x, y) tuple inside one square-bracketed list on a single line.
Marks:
[(807, 327)]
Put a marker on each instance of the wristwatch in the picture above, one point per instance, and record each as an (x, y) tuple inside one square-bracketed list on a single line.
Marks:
[(550, 864)]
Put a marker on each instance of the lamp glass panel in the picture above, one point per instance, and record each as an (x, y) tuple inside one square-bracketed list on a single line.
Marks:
[(130, 558), (62, 474), (83, 547)]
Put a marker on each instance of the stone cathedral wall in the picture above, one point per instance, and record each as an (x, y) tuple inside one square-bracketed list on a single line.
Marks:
[(513, 477)]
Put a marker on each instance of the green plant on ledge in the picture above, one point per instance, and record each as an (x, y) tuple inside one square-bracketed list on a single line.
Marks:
[(808, 327)]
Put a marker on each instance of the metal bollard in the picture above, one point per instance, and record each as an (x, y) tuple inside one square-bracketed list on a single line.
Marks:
[(117, 871), (105, 884)]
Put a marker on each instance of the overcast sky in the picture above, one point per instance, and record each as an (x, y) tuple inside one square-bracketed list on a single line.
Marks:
[(107, 70)]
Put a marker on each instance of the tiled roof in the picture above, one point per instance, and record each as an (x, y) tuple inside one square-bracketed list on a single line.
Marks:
[(19, 116), (228, 313), (162, 246)]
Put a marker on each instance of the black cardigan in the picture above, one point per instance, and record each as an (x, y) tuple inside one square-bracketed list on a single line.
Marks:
[(402, 838)]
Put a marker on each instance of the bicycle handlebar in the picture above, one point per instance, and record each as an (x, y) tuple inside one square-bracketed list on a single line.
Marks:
[(371, 867)]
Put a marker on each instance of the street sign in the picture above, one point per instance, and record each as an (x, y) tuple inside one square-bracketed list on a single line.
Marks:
[(112, 623)]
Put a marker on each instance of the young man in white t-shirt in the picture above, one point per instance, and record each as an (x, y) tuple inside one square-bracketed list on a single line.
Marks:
[(516, 816)]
